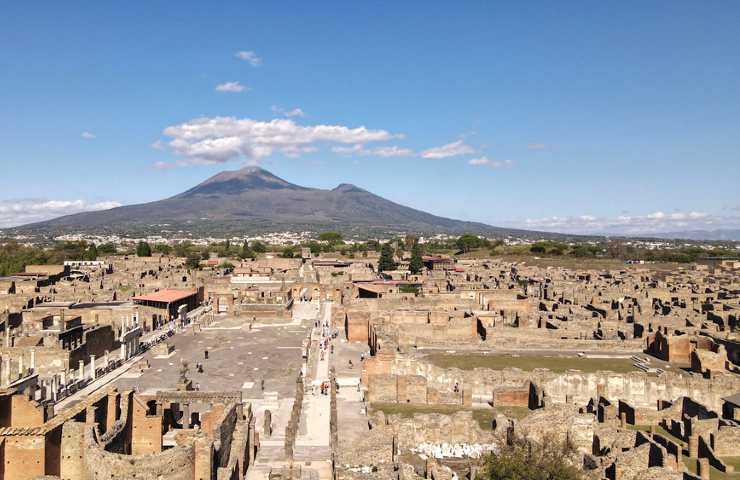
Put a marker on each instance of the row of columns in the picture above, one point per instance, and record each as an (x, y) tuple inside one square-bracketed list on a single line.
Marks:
[(6, 376)]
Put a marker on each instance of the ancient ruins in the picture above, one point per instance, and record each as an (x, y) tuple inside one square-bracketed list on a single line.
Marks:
[(322, 368)]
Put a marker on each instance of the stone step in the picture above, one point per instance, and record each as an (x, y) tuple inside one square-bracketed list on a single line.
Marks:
[(303, 453)]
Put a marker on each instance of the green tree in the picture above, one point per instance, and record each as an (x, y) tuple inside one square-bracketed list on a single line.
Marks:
[(107, 249), (143, 249), (162, 248), (246, 252), (288, 252), (525, 460), (416, 264), (193, 261), (91, 253), (538, 247), (315, 248), (330, 237), (259, 247), (183, 249), (386, 261), (468, 242)]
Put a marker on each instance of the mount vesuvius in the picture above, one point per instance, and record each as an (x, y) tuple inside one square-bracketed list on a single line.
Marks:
[(253, 200)]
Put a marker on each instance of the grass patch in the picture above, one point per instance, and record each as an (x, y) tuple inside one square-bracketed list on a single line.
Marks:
[(530, 362), (714, 474), (639, 428), (565, 261), (732, 461)]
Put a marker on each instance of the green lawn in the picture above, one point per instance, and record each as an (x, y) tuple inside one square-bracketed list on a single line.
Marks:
[(714, 474), (530, 362), (484, 416), (733, 461)]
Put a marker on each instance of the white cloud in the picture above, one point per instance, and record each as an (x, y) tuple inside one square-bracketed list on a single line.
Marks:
[(87, 135), (386, 151), (487, 162), (22, 211), (250, 57), (231, 87), (294, 113), (209, 140), (449, 150), (650, 223)]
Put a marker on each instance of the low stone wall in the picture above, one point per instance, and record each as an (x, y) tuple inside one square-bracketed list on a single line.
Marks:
[(636, 388)]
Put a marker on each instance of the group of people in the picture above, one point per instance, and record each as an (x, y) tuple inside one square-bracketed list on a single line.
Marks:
[(324, 388)]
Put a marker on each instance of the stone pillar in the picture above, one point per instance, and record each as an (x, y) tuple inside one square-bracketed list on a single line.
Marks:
[(186, 415), (33, 359), (81, 371), (252, 440), (623, 419), (5, 370), (267, 428), (92, 367), (693, 445), (123, 351), (702, 468), (20, 365), (107, 358)]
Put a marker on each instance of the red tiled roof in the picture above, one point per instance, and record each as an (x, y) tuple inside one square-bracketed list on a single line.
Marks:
[(166, 296)]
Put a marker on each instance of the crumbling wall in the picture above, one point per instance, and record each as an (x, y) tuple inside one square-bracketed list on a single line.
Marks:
[(175, 463)]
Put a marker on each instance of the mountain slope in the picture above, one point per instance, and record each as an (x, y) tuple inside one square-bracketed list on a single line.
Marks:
[(254, 200)]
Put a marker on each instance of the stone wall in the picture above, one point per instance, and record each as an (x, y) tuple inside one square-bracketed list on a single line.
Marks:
[(636, 388), (173, 464), (146, 434)]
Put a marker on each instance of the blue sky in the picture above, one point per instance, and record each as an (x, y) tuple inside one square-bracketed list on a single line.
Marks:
[(565, 116)]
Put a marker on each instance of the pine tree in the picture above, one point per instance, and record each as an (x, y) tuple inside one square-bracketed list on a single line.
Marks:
[(143, 250), (246, 252), (386, 258), (416, 264), (92, 252)]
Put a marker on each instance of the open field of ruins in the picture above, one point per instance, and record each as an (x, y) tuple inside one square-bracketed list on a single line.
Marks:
[(325, 367)]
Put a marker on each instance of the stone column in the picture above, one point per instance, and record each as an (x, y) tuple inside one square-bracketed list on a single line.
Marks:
[(107, 358), (92, 367), (267, 428), (186, 415), (5, 367), (123, 351), (33, 359), (702, 468), (20, 365), (81, 371), (252, 441), (693, 445)]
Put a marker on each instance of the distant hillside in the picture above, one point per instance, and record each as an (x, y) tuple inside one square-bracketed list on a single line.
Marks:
[(253, 200), (698, 235)]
